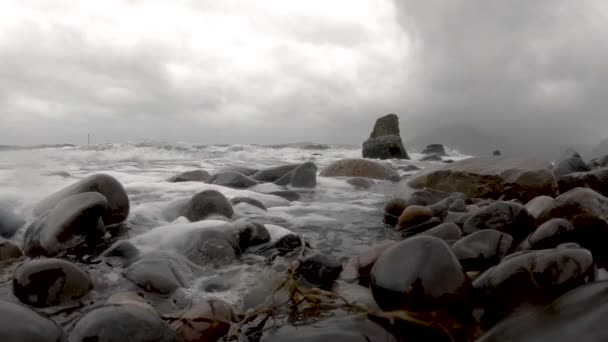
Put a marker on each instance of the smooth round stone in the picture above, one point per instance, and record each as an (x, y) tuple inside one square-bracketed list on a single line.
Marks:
[(73, 221), (445, 231), (273, 174), (457, 218), (304, 176), (251, 201), (22, 324), (320, 270), (208, 321), (232, 179), (157, 272), (420, 273), (9, 223), (507, 217), (550, 234), (190, 176), (117, 200), (360, 182), (472, 208), (205, 204), (9, 250), (130, 298), (421, 228), (483, 249), (393, 209), (531, 278), (358, 268), (288, 243), (251, 234), (414, 215), (458, 206), (539, 205), (46, 282), (112, 323), (441, 207), (122, 249)]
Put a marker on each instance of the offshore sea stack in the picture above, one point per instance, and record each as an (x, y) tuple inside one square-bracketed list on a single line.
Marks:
[(385, 141)]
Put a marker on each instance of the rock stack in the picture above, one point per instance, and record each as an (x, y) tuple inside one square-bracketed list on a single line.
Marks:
[(385, 141)]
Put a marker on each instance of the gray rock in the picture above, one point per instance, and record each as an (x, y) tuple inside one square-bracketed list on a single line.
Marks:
[(232, 179), (483, 249), (551, 234), (251, 201), (421, 227), (506, 217), (251, 234), (46, 282), (385, 141), (320, 269), (539, 205), (408, 168), (491, 178), (569, 162), (74, 221), (446, 231), (286, 194), (437, 149), (9, 223), (360, 168), (205, 204), (431, 157), (9, 250), (457, 218), (304, 176), (240, 169), (111, 323), (23, 324), (157, 272), (496, 153), (190, 176), (122, 249), (458, 206), (273, 174), (598, 162), (596, 180), (117, 200), (360, 182)]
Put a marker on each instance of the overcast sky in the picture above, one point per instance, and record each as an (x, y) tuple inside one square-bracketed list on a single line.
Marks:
[(275, 71)]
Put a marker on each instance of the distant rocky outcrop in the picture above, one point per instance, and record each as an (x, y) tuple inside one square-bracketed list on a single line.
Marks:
[(385, 141), (436, 149)]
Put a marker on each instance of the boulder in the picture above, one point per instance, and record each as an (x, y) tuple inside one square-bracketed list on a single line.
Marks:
[(599, 162), (458, 206), (251, 234), (9, 223), (496, 153), (596, 180), (431, 157), (551, 234), (286, 194), (420, 273), (414, 215), (158, 272), (320, 270), (358, 268), (506, 217), (123, 250), (47, 282), (304, 176), (73, 222), (446, 231), (393, 210), (190, 176), (208, 321), (111, 323), (385, 141), (360, 182), (232, 179), (206, 204), (273, 174), (117, 200), (539, 205), (408, 168), (421, 227), (587, 210), (251, 201), (360, 168), (437, 149), (240, 169), (531, 277), (9, 250), (23, 324), (457, 218), (491, 178), (482, 249), (569, 162)]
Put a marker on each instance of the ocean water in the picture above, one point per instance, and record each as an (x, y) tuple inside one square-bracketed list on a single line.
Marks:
[(334, 218)]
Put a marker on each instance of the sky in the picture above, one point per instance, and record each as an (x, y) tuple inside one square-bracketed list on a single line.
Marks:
[(521, 75)]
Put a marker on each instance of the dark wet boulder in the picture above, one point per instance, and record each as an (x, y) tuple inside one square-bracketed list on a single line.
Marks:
[(287, 243), (360, 168), (9, 250), (437, 149), (431, 157), (408, 168), (491, 177), (251, 201), (531, 278), (22, 324), (569, 162), (111, 323), (539, 205), (596, 180), (551, 234), (123, 250), (345, 329), (157, 272), (273, 174), (414, 215), (441, 207), (385, 140), (506, 217), (208, 321), (420, 273), (429, 197), (393, 210), (598, 162), (47, 282), (496, 153), (205, 204), (286, 194), (9, 223), (251, 234), (240, 169), (74, 221), (358, 268), (320, 270), (190, 176), (421, 227), (360, 182), (304, 176), (117, 200), (458, 206), (446, 231), (482, 249), (232, 179)]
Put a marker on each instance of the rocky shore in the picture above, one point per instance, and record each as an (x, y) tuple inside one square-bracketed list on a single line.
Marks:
[(486, 248)]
